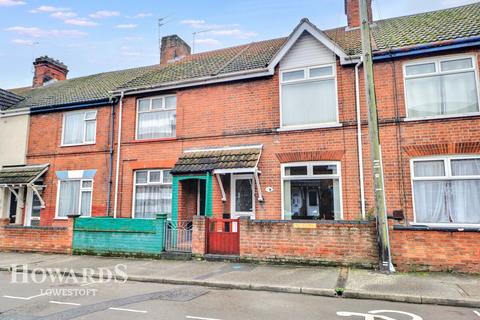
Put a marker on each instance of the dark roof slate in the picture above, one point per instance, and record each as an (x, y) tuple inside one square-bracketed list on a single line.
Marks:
[(209, 160), (8, 99), (416, 29), (20, 175)]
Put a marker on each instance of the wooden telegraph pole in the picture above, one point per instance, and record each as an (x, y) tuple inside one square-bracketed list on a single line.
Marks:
[(376, 149)]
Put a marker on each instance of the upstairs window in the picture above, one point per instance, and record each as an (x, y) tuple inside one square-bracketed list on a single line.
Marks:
[(447, 190), (79, 127), (156, 117), (309, 97), (441, 87)]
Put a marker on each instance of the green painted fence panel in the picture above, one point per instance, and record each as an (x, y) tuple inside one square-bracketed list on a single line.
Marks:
[(104, 235)]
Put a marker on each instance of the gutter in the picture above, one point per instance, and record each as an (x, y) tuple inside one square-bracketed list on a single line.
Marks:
[(70, 106), (426, 48), (255, 73)]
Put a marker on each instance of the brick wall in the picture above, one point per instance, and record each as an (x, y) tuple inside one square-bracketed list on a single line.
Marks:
[(198, 236), (414, 250), (36, 239)]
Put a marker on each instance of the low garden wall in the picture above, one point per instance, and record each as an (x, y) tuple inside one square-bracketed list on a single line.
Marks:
[(36, 239), (414, 249), (322, 242), (105, 235)]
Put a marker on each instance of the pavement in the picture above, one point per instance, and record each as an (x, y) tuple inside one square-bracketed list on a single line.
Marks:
[(447, 289)]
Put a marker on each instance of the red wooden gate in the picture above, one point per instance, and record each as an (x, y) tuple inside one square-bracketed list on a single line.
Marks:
[(223, 236)]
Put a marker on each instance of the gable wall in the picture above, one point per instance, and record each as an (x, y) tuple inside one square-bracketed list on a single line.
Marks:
[(307, 51)]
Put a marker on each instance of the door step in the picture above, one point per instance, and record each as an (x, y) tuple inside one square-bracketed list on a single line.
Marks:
[(221, 257)]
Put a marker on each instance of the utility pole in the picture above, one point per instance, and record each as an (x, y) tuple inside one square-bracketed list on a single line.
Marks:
[(376, 149)]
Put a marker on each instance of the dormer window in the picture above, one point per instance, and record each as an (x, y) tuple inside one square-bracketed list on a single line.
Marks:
[(309, 97)]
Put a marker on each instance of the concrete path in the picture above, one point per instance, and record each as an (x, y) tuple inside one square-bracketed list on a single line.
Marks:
[(426, 288)]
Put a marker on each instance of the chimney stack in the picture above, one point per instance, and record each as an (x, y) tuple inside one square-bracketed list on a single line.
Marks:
[(48, 70), (352, 10), (172, 49)]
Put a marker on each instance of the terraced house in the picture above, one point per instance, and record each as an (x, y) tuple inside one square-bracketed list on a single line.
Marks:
[(275, 131)]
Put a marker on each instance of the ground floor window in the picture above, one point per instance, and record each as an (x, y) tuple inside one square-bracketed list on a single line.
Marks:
[(311, 191), (74, 197), (153, 193), (447, 189)]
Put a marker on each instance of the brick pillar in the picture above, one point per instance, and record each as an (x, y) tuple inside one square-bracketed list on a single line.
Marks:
[(70, 227), (198, 236)]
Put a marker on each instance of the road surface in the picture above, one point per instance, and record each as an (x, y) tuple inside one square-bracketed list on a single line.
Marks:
[(145, 301)]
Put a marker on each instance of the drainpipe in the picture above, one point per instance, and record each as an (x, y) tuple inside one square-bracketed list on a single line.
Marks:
[(359, 139), (110, 167), (117, 169)]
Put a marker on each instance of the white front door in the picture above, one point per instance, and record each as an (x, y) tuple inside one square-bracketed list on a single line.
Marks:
[(33, 209), (242, 196)]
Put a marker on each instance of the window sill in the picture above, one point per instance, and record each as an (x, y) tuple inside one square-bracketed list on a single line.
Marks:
[(445, 227), (153, 140), (310, 127), (452, 116), (77, 145)]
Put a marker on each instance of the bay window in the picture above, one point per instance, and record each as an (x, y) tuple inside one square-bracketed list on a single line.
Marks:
[(74, 197), (79, 127), (153, 193), (309, 97), (156, 117), (311, 191), (441, 87), (447, 190)]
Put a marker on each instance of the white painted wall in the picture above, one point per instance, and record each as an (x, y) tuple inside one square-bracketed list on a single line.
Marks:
[(13, 148), (307, 51)]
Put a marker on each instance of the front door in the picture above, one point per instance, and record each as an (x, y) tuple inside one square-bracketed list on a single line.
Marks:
[(12, 208), (242, 196)]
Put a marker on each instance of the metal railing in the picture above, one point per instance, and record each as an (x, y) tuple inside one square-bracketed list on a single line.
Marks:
[(178, 236)]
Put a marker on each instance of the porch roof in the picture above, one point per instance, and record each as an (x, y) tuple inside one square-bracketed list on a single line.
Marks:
[(227, 158), (21, 175)]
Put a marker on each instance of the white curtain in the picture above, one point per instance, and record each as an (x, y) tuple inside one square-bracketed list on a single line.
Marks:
[(424, 96), (460, 93), (90, 131), (159, 124), (68, 198), (430, 201), (86, 203), (464, 203), (309, 103), (151, 200), (73, 132)]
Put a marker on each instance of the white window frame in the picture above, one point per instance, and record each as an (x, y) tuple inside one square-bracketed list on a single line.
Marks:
[(311, 176), (85, 121), (448, 177), (148, 183), (154, 110), (234, 213), (306, 79), (437, 61), (82, 190)]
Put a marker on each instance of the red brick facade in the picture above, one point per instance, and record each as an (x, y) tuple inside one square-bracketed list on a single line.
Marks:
[(247, 112)]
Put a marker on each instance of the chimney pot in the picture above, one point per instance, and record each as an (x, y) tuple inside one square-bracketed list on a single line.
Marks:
[(352, 10), (172, 49), (48, 69)]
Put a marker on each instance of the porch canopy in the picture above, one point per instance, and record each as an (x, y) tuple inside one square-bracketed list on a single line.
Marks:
[(205, 163), (22, 176)]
